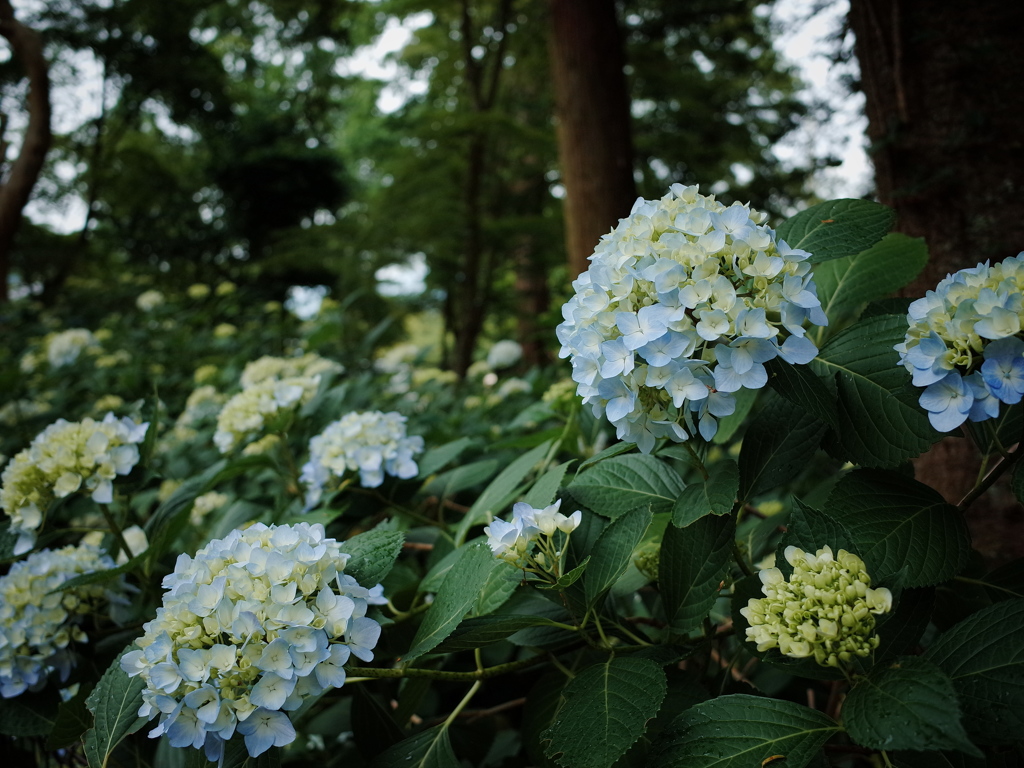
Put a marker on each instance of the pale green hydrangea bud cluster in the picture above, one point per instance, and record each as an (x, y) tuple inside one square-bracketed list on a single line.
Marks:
[(682, 305), (372, 443), (201, 408), (249, 628), (39, 627), (825, 611), (513, 541), (65, 458), (278, 368), (61, 348), (964, 343), (246, 414)]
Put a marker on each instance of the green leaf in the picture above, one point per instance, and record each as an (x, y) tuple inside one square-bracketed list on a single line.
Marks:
[(984, 656), (615, 449), (455, 598), (114, 703), (461, 477), (500, 584), (438, 458), (799, 385), (727, 425), (936, 760), (810, 530), (605, 711), (236, 755), (101, 577), (1005, 582), (880, 422), (837, 228), (847, 285), (500, 493), (570, 578), (613, 552), (714, 497), (30, 714), (373, 727), (622, 483), (908, 704), (741, 731), (543, 491), (772, 455), (694, 561), (896, 522), (73, 719), (900, 630), (431, 748), (373, 553), (484, 630)]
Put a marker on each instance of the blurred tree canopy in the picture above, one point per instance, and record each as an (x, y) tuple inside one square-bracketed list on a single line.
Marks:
[(224, 140)]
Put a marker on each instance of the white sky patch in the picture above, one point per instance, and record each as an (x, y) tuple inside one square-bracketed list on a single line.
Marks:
[(407, 279)]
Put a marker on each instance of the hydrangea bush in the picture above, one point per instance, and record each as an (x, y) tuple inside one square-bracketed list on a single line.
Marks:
[(697, 543)]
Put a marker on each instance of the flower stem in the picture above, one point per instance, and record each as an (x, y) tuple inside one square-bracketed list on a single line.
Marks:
[(441, 674)]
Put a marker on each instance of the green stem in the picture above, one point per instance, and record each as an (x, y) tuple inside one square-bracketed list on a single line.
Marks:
[(741, 560), (1004, 463), (696, 459), (116, 530), (441, 674), (462, 704)]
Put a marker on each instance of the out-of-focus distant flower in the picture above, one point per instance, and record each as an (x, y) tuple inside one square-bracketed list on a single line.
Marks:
[(225, 331), (149, 300), (225, 288), (276, 368), (198, 291), (504, 354), (246, 414)]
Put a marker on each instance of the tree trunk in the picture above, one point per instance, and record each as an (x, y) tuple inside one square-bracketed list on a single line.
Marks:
[(595, 148), (944, 107), (15, 190)]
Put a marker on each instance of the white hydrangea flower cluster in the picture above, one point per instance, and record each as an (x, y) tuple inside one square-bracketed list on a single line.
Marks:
[(512, 541), (249, 628), (205, 504), (248, 412), (65, 458), (372, 443), (61, 348), (39, 627), (278, 368), (504, 354), (201, 408), (826, 610), (683, 303), (964, 343), (149, 300)]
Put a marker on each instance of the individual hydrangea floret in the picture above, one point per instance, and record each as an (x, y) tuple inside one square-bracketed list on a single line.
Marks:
[(682, 305), (372, 443), (964, 343), (249, 628), (278, 368), (39, 627), (246, 414), (513, 541), (825, 611), (65, 458)]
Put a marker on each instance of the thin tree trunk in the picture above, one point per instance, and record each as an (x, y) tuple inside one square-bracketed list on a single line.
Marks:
[(15, 191), (595, 148), (944, 105)]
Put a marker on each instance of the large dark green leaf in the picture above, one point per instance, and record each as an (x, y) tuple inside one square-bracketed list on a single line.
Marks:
[(613, 552), (714, 497), (984, 656), (777, 446), (373, 554), (479, 631), (908, 704), (880, 422), (114, 703), (622, 483), (837, 228), (606, 708), (694, 561), (431, 748), (800, 385)]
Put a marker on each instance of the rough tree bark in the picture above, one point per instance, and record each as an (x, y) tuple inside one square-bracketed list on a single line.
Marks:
[(592, 106), (944, 106), (22, 175)]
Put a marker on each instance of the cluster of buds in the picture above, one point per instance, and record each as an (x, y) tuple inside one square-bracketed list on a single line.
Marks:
[(513, 541), (260, 406), (825, 611)]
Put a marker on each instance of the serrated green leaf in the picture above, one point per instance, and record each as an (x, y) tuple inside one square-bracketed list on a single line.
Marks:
[(568, 579), (880, 422), (431, 748), (622, 483), (30, 714), (694, 561), (114, 703), (605, 710), (799, 385), (1005, 582), (900, 630), (373, 554), (908, 704), (501, 491), (613, 552), (500, 584), (483, 630), (770, 456), (984, 656), (438, 458), (615, 449), (847, 285), (373, 728), (936, 760), (455, 598), (73, 719), (741, 731), (837, 228), (101, 577), (896, 522), (810, 530), (714, 497), (543, 491)]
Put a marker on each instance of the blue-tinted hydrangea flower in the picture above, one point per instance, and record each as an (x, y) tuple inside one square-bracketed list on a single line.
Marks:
[(65, 458), (963, 344), (684, 301), (512, 541), (39, 627), (372, 443), (249, 628), (825, 611)]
